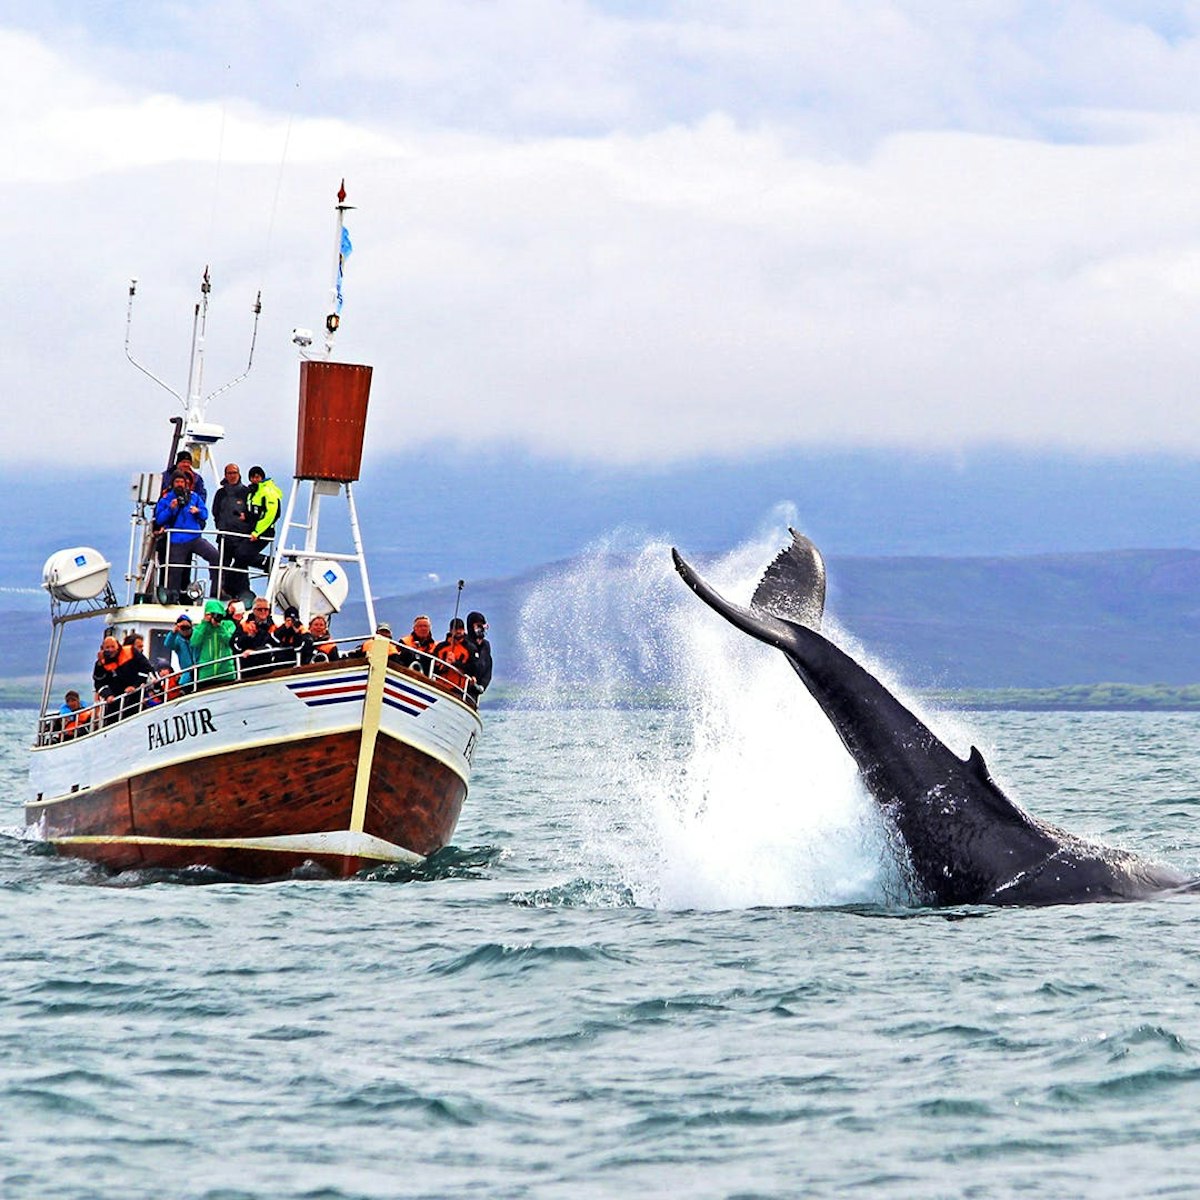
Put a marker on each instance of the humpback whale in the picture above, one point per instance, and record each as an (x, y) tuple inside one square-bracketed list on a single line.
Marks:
[(966, 841)]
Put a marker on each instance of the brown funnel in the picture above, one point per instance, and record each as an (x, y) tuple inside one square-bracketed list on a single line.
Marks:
[(333, 419)]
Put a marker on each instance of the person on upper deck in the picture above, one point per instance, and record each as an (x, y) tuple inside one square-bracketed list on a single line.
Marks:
[(183, 462), (180, 515), (453, 655), (317, 645), (421, 639), (480, 666), (265, 501), (231, 516), (210, 641)]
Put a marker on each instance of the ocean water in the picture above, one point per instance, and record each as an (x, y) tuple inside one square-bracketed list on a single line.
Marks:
[(670, 954)]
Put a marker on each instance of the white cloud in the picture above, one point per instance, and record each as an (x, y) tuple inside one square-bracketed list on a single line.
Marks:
[(694, 230)]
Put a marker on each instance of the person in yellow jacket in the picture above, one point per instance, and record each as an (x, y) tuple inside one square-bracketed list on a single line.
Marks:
[(265, 502)]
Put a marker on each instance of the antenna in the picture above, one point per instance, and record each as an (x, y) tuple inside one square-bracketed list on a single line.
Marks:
[(197, 431), (128, 335), (256, 309)]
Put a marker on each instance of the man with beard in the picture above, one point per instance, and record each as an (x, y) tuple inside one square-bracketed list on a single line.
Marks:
[(180, 516)]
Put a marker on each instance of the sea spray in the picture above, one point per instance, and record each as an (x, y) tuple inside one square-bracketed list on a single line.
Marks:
[(704, 775)]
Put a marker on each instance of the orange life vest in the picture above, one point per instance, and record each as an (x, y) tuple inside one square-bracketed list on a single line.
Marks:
[(392, 647), (76, 721), (453, 655)]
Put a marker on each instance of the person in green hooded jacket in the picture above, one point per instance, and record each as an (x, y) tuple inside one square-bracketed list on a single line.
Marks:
[(210, 642)]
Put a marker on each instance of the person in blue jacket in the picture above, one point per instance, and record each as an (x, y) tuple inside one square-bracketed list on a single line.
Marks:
[(179, 643), (179, 517)]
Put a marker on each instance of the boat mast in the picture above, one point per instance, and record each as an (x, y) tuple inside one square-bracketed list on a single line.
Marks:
[(195, 414), (333, 410)]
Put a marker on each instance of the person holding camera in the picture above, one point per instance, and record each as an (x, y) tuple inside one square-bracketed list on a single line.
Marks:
[(179, 643), (180, 516), (289, 636), (210, 641)]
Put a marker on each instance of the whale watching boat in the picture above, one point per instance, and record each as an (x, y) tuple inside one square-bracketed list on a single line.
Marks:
[(338, 751)]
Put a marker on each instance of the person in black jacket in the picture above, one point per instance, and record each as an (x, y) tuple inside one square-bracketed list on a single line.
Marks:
[(254, 644), (289, 636), (231, 516), (479, 666), (118, 676)]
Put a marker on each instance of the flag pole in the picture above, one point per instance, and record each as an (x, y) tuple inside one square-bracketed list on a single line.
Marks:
[(341, 251)]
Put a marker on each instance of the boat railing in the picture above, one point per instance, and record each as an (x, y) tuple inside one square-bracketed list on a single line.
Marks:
[(273, 660), (230, 558)]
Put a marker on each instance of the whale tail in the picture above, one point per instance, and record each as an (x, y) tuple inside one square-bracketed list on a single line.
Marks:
[(792, 587), (790, 593)]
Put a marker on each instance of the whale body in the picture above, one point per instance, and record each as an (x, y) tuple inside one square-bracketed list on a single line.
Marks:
[(966, 841)]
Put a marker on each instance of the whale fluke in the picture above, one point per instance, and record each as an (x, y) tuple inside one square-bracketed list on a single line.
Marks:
[(793, 585)]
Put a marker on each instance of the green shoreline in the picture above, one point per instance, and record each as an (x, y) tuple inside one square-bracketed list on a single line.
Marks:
[(1087, 697)]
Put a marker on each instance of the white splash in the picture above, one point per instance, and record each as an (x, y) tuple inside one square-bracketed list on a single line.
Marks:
[(734, 791)]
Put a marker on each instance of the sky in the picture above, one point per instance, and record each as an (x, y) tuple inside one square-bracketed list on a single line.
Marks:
[(619, 234)]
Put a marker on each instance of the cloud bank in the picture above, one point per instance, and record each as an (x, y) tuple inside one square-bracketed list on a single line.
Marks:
[(620, 232)]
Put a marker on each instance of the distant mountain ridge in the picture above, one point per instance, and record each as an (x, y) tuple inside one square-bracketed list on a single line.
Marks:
[(451, 510), (1128, 616), (1041, 621)]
